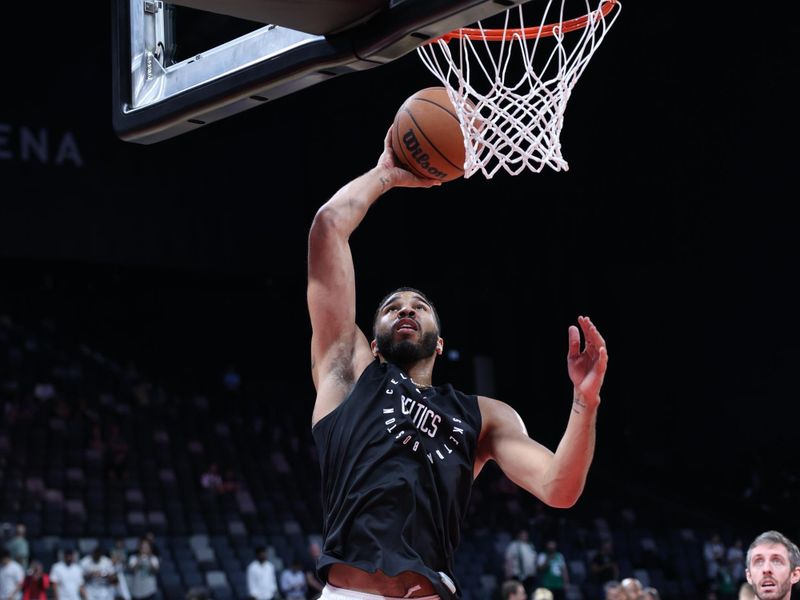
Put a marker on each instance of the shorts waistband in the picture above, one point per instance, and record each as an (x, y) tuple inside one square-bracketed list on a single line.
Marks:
[(330, 592)]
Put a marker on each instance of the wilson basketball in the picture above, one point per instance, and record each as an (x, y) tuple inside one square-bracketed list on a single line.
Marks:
[(427, 138)]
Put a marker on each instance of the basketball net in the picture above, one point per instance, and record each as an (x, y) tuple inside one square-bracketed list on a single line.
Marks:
[(510, 86)]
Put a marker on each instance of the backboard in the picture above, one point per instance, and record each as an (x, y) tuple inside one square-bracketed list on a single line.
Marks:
[(179, 66)]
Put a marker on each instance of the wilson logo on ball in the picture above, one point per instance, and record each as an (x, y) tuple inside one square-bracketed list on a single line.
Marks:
[(411, 143)]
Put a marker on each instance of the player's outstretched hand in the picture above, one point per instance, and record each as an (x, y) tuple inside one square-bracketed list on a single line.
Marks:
[(587, 367)]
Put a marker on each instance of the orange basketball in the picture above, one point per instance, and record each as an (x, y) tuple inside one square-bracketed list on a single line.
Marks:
[(427, 138)]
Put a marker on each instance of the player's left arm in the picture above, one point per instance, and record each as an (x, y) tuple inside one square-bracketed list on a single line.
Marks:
[(557, 478)]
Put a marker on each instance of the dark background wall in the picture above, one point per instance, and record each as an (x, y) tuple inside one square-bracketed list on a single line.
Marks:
[(674, 229)]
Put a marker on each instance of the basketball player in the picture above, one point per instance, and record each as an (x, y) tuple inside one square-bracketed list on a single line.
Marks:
[(773, 566), (398, 454)]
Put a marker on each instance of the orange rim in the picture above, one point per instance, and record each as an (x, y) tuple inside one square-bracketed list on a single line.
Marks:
[(499, 35)]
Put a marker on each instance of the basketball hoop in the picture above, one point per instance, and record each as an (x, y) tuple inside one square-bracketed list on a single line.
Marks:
[(512, 119)]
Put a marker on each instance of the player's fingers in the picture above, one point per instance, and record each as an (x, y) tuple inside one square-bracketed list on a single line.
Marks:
[(592, 333), (574, 342), (409, 179), (602, 359)]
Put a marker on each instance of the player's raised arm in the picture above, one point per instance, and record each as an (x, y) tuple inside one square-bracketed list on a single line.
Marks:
[(557, 478), (339, 350)]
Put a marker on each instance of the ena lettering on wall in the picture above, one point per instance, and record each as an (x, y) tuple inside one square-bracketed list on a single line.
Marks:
[(41, 145)]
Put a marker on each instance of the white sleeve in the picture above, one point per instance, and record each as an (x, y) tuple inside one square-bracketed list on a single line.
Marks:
[(272, 581), (251, 579)]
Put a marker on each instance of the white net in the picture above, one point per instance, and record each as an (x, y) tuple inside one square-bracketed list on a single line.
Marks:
[(510, 92)]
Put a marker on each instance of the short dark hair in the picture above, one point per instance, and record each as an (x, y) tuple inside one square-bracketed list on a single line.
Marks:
[(260, 550), (406, 289)]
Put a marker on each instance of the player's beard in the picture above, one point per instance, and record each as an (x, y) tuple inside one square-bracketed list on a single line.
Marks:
[(406, 352)]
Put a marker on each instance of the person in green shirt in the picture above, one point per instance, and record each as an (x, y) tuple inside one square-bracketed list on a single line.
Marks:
[(18, 547), (553, 573)]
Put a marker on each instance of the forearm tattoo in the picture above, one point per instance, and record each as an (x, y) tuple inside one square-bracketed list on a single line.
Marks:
[(578, 406), (384, 183)]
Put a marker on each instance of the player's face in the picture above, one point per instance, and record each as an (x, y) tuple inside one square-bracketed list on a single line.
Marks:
[(771, 573), (406, 329)]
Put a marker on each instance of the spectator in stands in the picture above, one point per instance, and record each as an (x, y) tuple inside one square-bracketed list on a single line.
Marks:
[(512, 589), (632, 588), (99, 575), (553, 573), (150, 537), (725, 584), (119, 558), (310, 567), (211, 480), (651, 593), (118, 553), (746, 592), (36, 583), (520, 560), (603, 566), (612, 590), (735, 560), (66, 578), (12, 575), (18, 546), (144, 566), (714, 556), (773, 566), (293, 582), (261, 581), (542, 594)]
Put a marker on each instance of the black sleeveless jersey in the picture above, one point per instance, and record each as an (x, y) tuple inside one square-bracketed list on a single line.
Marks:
[(397, 465)]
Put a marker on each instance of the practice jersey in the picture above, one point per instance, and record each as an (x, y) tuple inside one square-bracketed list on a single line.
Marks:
[(397, 470)]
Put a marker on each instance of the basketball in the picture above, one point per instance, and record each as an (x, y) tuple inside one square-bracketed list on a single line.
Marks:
[(427, 138)]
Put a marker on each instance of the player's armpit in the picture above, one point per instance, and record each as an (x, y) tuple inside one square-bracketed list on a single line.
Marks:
[(505, 440)]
